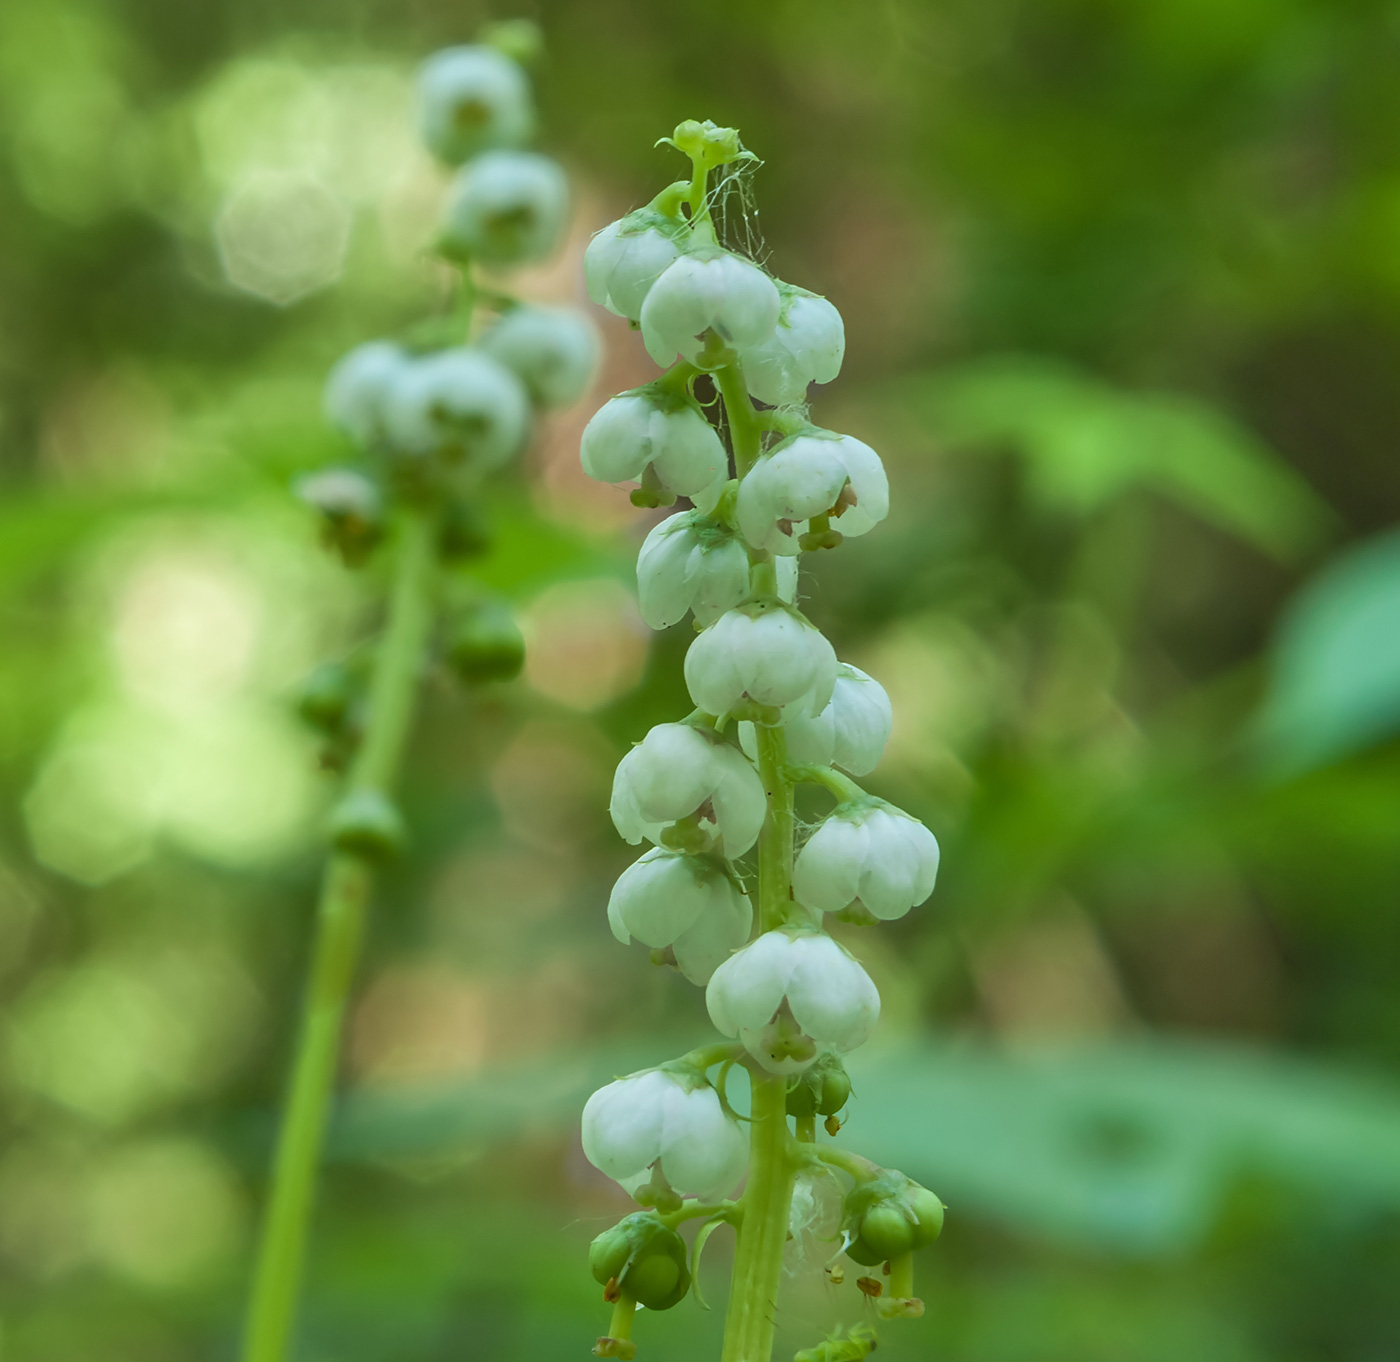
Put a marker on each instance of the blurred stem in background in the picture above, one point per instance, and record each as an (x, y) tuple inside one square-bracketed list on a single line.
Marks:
[(345, 892)]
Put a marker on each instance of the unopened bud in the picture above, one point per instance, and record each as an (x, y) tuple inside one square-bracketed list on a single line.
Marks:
[(367, 823), (351, 510), (645, 1257), (486, 644), (821, 1090)]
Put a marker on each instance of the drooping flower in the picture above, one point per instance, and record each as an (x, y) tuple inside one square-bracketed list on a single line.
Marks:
[(807, 346), (789, 992), (869, 853), (670, 1118), (811, 474), (679, 771), (707, 291), (765, 652), (851, 732), (552, 350), (688, 904), (626, 258), (651, 434), (691, 563), (506, 208), (458, 404), (471, 99), (357, 390)]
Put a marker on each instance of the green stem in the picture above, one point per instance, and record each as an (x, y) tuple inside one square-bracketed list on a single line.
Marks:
[(806, 1129), (859, 1169), (345, 894), (767, 1200), (845, 789), (758, 1254), (744, 427), (775, 840)]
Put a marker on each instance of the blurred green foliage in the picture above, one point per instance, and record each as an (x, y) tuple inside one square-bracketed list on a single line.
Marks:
[(1122, 287)]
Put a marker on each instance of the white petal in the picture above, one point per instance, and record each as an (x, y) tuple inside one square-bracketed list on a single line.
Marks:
[(622, 1124), (862, 718), (616, 444), (664, 571), (739, 801), (747, 989), (659, 897), (552, 350), (832, 998), (703, 1151), (869, 485), (717, 932), (827, 876)]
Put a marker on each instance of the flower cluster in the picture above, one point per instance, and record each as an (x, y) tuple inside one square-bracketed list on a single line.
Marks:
[(430, 413), (724, 894)]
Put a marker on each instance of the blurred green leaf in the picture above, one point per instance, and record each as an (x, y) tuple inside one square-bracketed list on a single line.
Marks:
[(1086, 443), (1128, 1145), (1335, 685)]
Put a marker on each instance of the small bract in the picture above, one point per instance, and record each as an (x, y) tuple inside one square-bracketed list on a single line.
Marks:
[(815, 473), (460, 405), (357, 390), (678, 771), (626, 258), (666, 1118), (851, 732), (787, 993), (471, 99), (764, 652), (506, 208), (868, 853), (708, 292), (552, 350), (807, 346), (688, 904), (666, 433)]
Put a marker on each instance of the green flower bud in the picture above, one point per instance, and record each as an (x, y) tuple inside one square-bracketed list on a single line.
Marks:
[(326, 696), (486, 644), (367, 823), (889, 1216), (821, 1090), (645, 1257)]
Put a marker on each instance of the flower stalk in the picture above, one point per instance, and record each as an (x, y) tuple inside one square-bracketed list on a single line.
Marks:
[(775, 707), (426, 417)]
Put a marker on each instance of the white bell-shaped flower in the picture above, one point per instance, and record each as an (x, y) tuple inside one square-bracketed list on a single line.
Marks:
[(709, 291), (357, 390), (807, 346), (687, 903), (679, 771), (764, 652), (690, 563), (814, 473), (650, 428), (867, 853), (670, 1118), (790, 992), (851, 732), (626, 258), (471, 99), (552, 350), (506, 208), (459, 404)]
